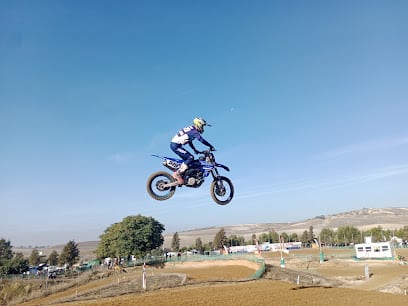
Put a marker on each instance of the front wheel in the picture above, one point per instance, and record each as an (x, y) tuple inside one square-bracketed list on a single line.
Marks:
[(222, 190), (155, 186)]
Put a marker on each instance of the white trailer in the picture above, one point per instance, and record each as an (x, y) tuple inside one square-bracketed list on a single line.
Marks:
[(374, 250)]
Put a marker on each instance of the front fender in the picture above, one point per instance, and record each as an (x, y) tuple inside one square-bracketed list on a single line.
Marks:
[(222, 166)]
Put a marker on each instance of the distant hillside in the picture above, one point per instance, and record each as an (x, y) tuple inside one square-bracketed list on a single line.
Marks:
[(387, 218), (86, 250)]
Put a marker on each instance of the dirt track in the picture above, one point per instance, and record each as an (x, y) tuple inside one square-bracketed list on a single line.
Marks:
[(262, 292), (215, 283)]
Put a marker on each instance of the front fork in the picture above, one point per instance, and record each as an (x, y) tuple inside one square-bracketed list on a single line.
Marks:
[(219, 187), (215, 174)]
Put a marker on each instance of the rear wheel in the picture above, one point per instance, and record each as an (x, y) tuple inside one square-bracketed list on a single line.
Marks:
[(222, 190), (155, 186)]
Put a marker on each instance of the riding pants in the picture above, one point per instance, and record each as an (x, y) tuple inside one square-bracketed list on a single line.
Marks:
[(186, 156)]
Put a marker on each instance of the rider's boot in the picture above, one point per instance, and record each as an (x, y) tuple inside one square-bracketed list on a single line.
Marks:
[(178, 175)]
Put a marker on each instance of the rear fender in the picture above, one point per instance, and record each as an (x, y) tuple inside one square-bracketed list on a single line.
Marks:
[(169, 158), (169, 162)]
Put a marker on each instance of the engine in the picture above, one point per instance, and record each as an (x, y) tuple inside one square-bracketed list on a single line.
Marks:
[(193, 177)]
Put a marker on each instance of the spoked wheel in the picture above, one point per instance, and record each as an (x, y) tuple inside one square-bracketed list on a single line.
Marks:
[(155, 186), (222, 190)]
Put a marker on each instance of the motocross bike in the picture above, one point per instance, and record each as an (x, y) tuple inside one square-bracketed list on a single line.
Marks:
[(162, 185)]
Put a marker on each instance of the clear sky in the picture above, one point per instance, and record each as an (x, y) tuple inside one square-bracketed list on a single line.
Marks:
[(308, 102)]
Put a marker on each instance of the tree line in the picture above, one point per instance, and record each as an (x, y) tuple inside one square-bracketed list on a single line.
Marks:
[(343, 236), (134, 235), (141, 236), (15, 262)]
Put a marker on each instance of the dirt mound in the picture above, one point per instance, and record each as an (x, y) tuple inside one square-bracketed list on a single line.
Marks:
[(300, 278), (104, 284), (227, 282), (261, 292)]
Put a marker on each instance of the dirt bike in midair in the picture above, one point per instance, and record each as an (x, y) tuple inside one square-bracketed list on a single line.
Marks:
[(162, 185)]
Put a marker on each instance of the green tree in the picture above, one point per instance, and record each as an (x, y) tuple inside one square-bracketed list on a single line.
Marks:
[(273, 236), (220, 239), (69, 254), (348, 234), (53, 258), (232, 240), (240, 240), (199, 245), (6, 252), (305, 238), (293, 237), (284, 236), (11, 263), (34, 258), (327, 236), (311, 235), (264, 237), (175, 243), (402, 233), (377, 233), (134, 235), (16, 265), (208, 246)]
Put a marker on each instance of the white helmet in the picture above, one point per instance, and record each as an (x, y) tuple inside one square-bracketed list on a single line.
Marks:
[(199, 124)]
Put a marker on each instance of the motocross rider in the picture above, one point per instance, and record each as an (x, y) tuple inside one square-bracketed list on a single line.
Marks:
[(186, 136)]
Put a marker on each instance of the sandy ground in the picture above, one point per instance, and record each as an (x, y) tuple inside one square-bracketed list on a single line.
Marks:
[(262, 292), (226, 283)]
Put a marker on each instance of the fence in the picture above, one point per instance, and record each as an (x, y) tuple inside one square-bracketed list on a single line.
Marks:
[(152, 261)]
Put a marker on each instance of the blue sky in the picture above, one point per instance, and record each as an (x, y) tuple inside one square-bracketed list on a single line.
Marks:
[(308, 102)]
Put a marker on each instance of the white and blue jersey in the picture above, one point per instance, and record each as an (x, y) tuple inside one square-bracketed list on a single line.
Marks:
[(187, 134), (184, 136)]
